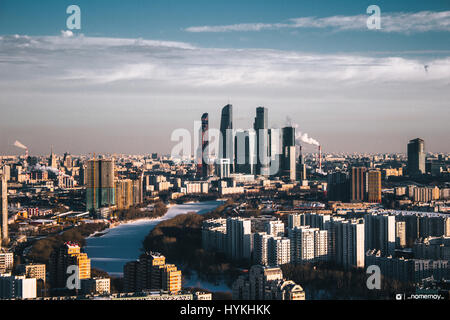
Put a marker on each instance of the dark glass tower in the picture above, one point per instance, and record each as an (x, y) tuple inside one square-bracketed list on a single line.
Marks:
[(416, 157), (226, 148), (203, 170), (261, 126)]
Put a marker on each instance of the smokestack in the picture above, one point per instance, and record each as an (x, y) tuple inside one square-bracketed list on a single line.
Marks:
[(26, 153), (320, 158)]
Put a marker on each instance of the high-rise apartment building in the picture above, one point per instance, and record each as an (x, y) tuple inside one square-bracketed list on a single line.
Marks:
[(349, 243), (239, 238), (100, 188), (416, 157), (274, 228), (358, 184), (4, 236), (374, 186), (380, 233), (63, 257), (278, 251), (308, 244), (266, 283), (151, 272), (6, 262)]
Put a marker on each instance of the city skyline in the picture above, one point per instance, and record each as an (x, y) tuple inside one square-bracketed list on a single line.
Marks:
[(106, 89)]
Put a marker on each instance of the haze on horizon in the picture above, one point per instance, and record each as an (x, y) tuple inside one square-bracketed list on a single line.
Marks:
[(104, 91)]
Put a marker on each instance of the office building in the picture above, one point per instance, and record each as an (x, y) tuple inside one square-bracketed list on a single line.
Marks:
[(261, 127), (245, 149), (226, 143), (416, 157), (338, 188), (202, 165), (100, 189)]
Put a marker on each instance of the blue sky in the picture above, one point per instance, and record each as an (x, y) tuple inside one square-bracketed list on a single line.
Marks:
[(314, 61), (167, 19)]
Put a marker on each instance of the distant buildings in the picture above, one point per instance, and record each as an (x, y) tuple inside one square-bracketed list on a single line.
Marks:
[(416, 157), (266, 283), (100, 188)]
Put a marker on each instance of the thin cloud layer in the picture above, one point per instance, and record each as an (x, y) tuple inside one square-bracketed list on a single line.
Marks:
[(407, 23), (79, 60)]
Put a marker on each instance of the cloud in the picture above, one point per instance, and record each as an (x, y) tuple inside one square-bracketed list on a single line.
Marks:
[(66, 33), (79, 60), (423, 21)]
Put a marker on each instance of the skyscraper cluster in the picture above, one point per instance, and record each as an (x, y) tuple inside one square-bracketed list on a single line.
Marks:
[(260, 150)]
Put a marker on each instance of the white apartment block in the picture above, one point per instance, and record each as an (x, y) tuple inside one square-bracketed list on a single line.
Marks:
[(274, 228), (6, 261)]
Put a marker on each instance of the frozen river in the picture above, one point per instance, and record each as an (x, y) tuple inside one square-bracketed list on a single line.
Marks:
[(123, 243)]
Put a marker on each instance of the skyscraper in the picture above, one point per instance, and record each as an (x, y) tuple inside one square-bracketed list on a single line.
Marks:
[(202, 166), (374, 186), (301, 166), (416, 157), (100, 189), (261, 127), (358, 184), (245, 151), (288, 145), (4, 238), (226, 148)]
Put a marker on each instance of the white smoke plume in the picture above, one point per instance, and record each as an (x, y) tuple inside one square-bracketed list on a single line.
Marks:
[(299, 136), (20, 145), (46, 168)]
